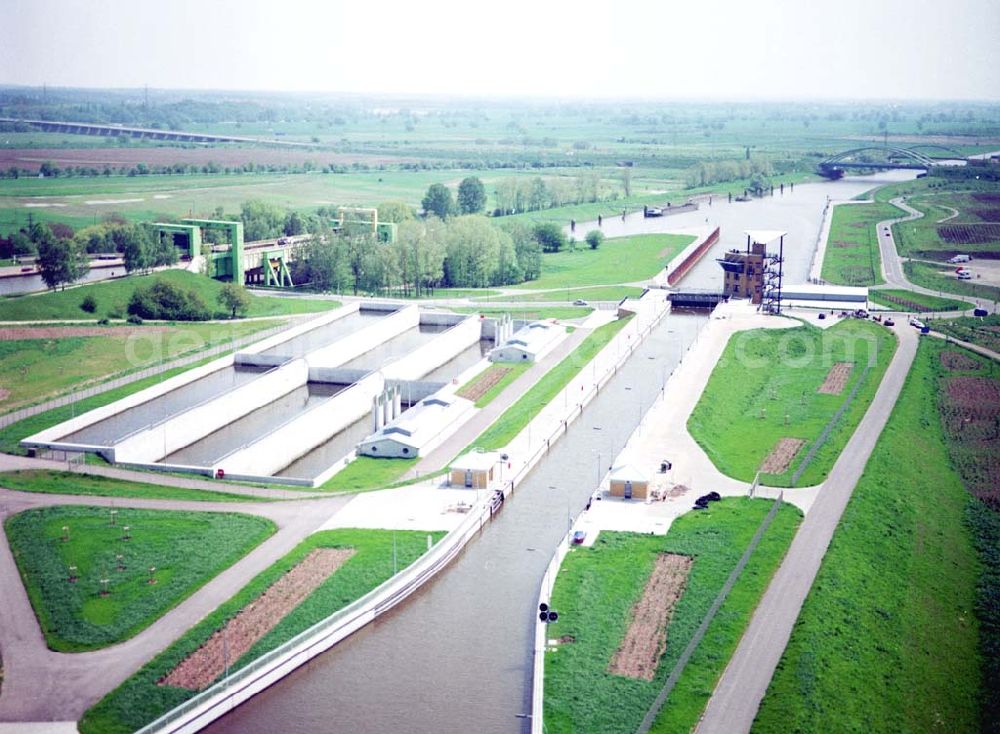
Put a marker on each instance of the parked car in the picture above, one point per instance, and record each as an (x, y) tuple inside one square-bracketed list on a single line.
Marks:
[(579, 536), (980, 312), (889, 322), (822, 315), (916, 323), (960, 259), (964, 275), (579, 302)]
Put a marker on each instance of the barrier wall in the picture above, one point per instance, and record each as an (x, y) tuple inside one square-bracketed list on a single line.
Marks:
[(197, 422), (323, 320), (689, 257), (364, 340), (434, 353), (302, 434)]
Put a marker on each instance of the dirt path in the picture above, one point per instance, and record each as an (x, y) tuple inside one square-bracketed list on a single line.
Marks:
[(781, 455), (646, 637), (836, 378)]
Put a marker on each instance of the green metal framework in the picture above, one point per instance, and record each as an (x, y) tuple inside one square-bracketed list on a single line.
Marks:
[(227, 263), (275, 268)]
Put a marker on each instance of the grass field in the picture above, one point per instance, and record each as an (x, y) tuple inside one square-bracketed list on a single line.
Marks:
[(367, 472), (887, 639), (72, 483), (139, 700), (950, 210), (593, 293), (597, 588), (512, 373), (982, 331), (112, 298), (616, 261), (942, 279), (776, 373), (36, 369), (517, 416), (904, 300), (852, 254), (186, 548)]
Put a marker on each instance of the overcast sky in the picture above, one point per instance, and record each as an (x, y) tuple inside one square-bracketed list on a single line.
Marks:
[(775, 49)]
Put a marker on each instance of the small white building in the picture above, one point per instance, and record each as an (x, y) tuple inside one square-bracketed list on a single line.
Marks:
[(420, 429), (529, 343), (628, 481), (475, 470)]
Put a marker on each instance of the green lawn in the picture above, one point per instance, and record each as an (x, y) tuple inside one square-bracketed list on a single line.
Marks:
[(112, 298), (776, 373), (942, 278), (139, 699), (186, 548), (982, 331), (922, 238), (617, 260), (887, 638), (512, 373), (906, 300), (59, 482), (517, 416), (35, 370), (367, 472), (852, 254), (597, 588), (597, 293)]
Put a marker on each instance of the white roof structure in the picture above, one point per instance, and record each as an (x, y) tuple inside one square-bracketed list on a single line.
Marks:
[(813, 292), (529, 342), (764, 236), (627, 472), (476, 461), (418, 427)]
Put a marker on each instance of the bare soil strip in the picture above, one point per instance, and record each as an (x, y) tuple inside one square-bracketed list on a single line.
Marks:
[(208, 662), (957, 362), (61, 332), (646, 637), (481, 386), (836, 378), (782, 455)]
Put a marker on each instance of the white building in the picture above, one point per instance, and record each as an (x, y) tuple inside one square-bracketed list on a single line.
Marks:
[(420, 429), (529, 343)]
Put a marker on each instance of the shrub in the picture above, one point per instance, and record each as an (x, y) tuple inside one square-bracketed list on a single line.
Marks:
[(89, 304), (550, 236), (594, 238), (168, 302), (103, 322), (133, 319)]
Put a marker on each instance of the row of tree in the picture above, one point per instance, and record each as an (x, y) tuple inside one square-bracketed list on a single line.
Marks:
[(711, 172)]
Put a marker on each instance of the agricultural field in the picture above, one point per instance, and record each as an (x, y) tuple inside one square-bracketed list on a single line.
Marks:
[(941, 278), (953, 223), (895, 600), (140, 699), (852, 251), (905, 300), (186, 549), (984, 332), (37, 363), (773, 385), (598, 589)]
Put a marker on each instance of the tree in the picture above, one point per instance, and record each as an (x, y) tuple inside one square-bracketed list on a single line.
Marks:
[(294, 225), (550, 236), (261, 221), (61, 262), (234, 299), (594, 238), (529, 252), (438, 201), (627, 181), (471, 195), (395, 211)]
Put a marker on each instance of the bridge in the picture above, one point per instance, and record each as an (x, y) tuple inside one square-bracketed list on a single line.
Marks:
[(889, 157), (88, 128)]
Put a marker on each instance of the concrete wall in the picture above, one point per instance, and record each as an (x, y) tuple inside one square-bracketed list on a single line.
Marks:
[(336, 375), (354, 345), (309, 325), (293, 439), (689, 257), (195, 423), (439, 318), (267, 361), (436, 352)]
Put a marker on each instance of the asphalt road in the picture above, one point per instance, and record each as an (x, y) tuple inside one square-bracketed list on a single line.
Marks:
[(734, 703)]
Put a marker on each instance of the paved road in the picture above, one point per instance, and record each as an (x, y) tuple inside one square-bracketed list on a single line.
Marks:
[(892, 264), (734, 703), (42, 685)]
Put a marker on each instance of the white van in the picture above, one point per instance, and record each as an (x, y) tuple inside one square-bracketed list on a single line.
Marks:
[(961, 259), (964, 275)]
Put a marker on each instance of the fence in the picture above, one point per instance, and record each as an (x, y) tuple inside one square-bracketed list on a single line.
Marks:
[(69, 398)]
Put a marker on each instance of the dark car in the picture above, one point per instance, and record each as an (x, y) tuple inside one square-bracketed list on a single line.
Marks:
[(980, 312), (579, 536), (889, 322)]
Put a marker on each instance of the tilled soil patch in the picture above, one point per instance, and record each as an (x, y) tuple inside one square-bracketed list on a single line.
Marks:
[(255, 620), (970, 411), (646, 637), (482, 386), (782, 455), (836, 378), (957, 362)]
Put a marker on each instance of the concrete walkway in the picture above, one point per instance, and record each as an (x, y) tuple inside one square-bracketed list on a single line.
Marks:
[(734, 703), (42, 685)]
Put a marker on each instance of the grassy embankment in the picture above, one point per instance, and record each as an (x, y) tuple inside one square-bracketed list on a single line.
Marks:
[(905, 300), (38, 369), (112, 298), (517, 416), (852, 254), (597, 588), (187, 549), (139, 699), (45, 481), (887, 638), (592, 293), (984, 332), (764, 388)]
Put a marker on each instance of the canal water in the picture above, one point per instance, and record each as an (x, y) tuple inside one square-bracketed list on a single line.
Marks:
[(457, 656)]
